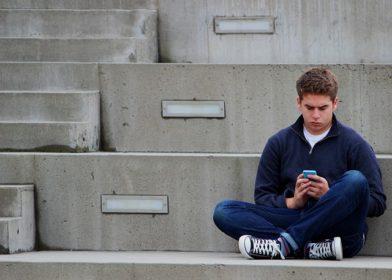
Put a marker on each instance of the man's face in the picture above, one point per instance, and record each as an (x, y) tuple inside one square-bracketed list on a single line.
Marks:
[(317, 111)]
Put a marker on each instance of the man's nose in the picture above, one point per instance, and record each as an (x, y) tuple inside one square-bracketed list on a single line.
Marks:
[(316, 114)]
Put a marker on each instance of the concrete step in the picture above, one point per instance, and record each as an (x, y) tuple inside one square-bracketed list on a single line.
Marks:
[(49, 136), (120, 50), (17, 221), (77, 23), (49, 121), (48, 76), (79, 4), (69, 189), (51, 106), (178, 265), (259, 100)]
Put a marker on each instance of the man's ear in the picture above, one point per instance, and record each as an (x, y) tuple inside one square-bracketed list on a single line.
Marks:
[(298, 103), (335, 103)]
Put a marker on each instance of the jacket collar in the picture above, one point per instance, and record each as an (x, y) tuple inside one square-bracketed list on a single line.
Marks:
[(298, 127)]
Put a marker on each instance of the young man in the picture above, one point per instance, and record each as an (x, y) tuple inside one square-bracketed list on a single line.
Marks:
[(321, 216)]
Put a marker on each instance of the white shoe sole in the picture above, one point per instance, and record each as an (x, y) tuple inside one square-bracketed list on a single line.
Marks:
[(244, 244), (338, 248)]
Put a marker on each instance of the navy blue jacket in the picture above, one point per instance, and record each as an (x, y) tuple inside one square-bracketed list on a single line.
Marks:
[(287, 154)]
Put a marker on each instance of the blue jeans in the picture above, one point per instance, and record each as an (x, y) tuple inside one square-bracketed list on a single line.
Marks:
[(340, 212)]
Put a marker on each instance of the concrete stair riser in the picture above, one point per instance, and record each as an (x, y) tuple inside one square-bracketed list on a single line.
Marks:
[(49, 136), (7, 229), (79, 4), (48, 76), (75, 50), (76, 23), (49, 106), (70, 217), (259, 100), (17, 167), (10, 202)]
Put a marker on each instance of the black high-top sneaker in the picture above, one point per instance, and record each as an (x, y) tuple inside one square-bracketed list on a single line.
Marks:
[(329, 249), (258, 248)]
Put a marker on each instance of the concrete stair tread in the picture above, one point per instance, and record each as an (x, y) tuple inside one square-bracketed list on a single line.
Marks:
[(9, 219), (84, 38), (178, 265), (80, 4), (187, 258), (19, 187), (76, 10), (44, 122), (49, 91), (163, 154)]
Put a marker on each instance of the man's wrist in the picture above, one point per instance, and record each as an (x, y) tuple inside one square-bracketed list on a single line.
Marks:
[(290, 203)]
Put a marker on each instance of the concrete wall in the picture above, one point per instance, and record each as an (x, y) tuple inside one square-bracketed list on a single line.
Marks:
[(69, 187), (259, 100), (321, 31)]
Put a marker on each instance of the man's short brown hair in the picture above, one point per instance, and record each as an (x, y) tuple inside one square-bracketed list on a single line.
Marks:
[(320, 81)]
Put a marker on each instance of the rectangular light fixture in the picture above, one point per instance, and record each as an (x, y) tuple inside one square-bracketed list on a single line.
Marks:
[(138, 204), (245, 25), (193, 109)]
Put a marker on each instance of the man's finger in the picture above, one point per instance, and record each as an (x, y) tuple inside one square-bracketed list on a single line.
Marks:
[(315, 190), (316, 178), (304, 185), (302, 181), (302, 193), (317, 185), (313, 193)]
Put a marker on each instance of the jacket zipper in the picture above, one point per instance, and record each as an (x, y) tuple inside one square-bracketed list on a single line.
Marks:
[(322, 140)]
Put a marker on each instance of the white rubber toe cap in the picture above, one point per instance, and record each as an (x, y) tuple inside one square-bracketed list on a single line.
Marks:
[(244, 244), (338, 248)]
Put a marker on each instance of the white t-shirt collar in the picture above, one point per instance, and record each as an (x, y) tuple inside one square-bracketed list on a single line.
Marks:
[(313, 139)]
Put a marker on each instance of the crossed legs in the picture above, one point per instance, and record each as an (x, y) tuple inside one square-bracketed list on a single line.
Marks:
[(340, 212)]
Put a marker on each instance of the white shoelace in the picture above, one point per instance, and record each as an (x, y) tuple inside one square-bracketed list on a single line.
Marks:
[(266, 247), (320, 250)]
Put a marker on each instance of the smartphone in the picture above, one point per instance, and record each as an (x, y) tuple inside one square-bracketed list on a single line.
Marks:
[(309, 172)]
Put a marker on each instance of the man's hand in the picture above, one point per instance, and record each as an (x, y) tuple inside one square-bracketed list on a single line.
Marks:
[(300, 194), (319, 186)]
